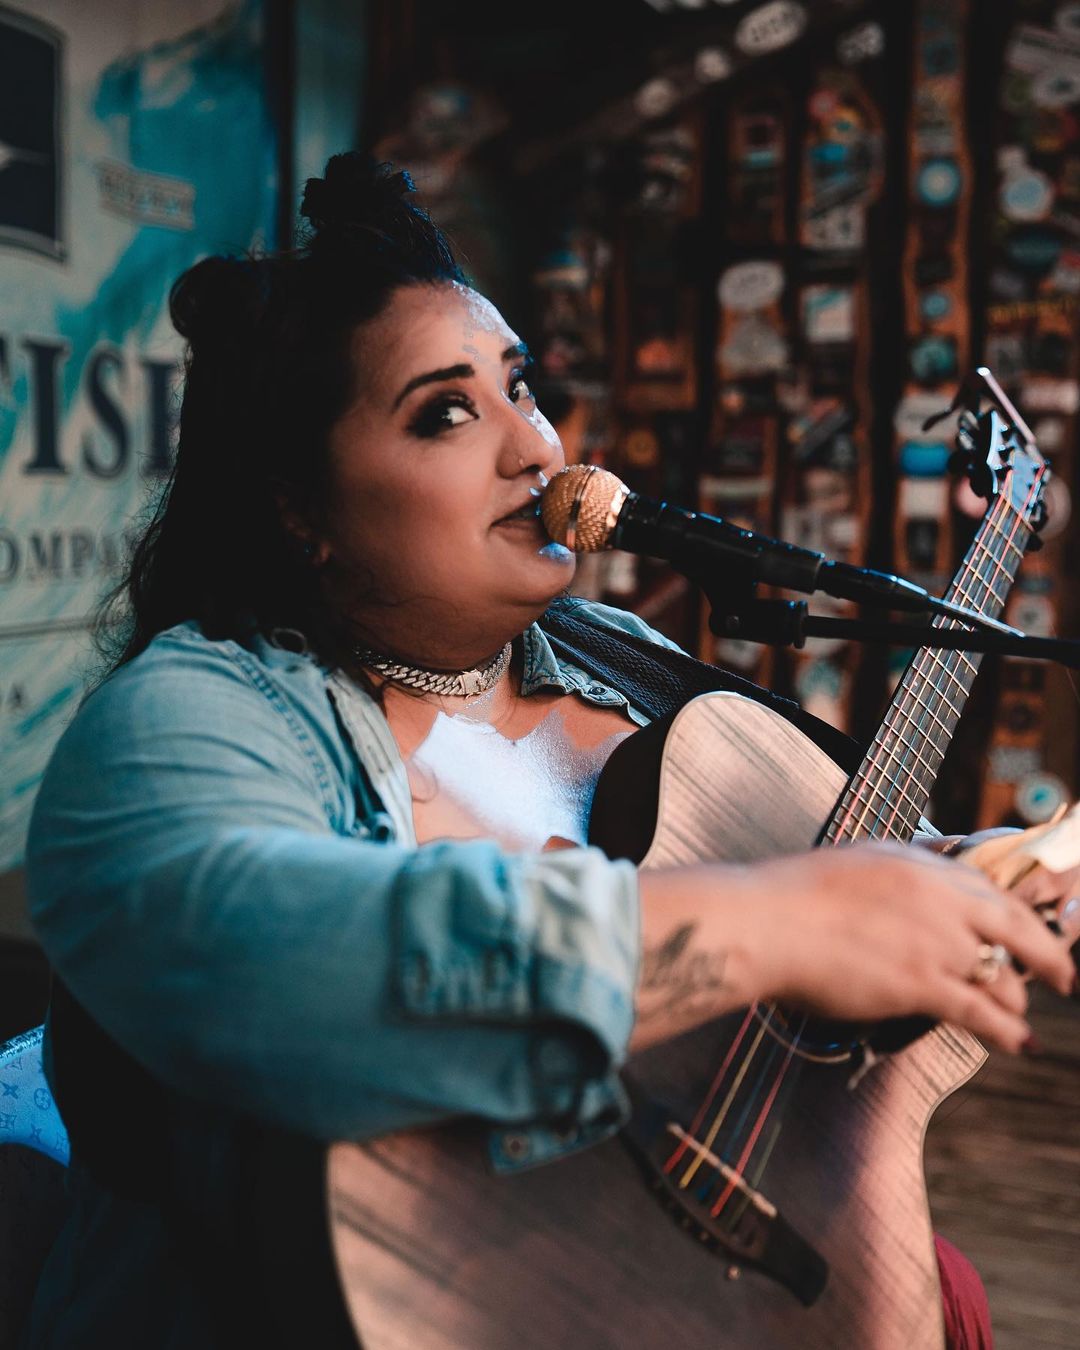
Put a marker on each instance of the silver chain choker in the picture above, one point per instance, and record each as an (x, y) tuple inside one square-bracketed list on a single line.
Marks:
[(456, 683)]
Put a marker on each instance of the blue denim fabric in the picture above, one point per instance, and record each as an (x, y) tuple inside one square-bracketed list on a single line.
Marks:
[(223, 869)]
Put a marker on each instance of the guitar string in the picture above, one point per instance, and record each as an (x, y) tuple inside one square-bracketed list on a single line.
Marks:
[(763, 1115), (904, 708), (962, 591), (725, 1106), (904, 713), (736, 1130), (795, 1042), (880, 797), (778, 1109), (739, 1168), (703, 1109)]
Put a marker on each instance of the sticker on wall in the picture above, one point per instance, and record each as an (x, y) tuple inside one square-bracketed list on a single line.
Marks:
[(1012, 763), (933, 360), (820, 686), (1056, 88), (862, 44), (1051, 396), (923, 497), (656, 97), (1033, 249), (940, 49), (1007, 285), (934, 306), (775, 25), (1006, 355), (839, 230), (828, 313), (922, 537), (842, 165), (1025, 194), (754, 346), (1033, 50), (712, 64), (757, 153), (641, 448), (938, 182), (751, 285), (1065, 277), (915, 409), (1038, 796), (925, 459), (934, 130), (1033, 614)]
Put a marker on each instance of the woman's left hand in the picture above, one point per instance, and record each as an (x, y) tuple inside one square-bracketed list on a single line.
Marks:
[(1056, 895)]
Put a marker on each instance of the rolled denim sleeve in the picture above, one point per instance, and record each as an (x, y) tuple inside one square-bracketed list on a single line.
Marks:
[(188, 885)]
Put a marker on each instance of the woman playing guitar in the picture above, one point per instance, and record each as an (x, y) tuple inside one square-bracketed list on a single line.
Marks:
[(292, 861)]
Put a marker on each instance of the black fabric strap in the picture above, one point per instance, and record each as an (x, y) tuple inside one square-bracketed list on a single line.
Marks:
[(659, 680)]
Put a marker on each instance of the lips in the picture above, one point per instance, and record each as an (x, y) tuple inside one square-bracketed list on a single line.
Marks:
[(529, 510)]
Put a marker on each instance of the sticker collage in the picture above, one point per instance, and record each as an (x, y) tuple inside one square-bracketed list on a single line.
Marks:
[(802, 268)]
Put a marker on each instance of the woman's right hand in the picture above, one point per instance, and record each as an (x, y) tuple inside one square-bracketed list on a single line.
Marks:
[(857, 933)]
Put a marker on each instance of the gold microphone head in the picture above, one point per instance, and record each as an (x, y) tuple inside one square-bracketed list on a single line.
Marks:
[(581, 505)]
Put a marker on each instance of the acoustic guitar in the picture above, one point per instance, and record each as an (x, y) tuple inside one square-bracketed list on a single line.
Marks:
[(768, 1191)]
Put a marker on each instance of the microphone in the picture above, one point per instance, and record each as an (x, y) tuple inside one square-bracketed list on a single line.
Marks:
[(588, 509)]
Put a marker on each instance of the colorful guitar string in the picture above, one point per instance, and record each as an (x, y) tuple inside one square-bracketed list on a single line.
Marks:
[(845, 827)]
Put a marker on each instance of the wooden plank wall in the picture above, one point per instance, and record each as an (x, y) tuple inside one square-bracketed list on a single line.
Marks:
[(1003, 1171)]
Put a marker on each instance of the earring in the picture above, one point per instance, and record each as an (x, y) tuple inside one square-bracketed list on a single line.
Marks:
[(308, 550)]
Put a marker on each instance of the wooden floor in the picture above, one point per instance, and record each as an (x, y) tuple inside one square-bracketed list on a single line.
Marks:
[(1003, 1170)]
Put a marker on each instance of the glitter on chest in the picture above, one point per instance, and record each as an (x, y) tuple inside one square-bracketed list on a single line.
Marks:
[(467, 778)]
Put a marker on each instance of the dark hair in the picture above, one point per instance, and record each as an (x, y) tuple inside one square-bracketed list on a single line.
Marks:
[(269, 372)]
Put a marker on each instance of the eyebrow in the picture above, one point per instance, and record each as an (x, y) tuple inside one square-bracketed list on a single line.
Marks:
[(459, 372)]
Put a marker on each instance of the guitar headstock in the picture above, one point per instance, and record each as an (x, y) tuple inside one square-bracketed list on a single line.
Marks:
[(996, 448)]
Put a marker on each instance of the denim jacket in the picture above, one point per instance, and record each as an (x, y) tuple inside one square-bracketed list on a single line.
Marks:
[(223, 868)]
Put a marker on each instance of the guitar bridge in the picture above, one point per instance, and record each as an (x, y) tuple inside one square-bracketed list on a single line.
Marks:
[(749, 1231)]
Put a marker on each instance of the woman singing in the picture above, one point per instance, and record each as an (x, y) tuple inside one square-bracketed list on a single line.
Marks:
[(292, 860)]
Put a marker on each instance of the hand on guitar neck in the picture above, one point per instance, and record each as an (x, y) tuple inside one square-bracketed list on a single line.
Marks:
[(858, 934), (1054, 894)]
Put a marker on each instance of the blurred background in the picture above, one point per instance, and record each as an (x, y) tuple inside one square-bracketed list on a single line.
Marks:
[(752, 245)]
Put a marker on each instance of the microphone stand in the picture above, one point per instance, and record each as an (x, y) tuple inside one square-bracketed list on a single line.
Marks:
[(788, 623)]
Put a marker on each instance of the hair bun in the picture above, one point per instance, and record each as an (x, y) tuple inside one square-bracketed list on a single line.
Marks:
[(356, 191), (219, 301)]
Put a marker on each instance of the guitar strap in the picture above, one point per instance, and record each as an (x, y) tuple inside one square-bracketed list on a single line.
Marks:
[(659, 680)]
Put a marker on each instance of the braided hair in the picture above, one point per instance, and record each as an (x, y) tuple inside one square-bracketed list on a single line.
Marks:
[(269, 371)]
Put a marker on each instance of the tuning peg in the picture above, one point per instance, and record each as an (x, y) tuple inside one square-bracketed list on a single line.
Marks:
[(967, 424), (1037, 518)]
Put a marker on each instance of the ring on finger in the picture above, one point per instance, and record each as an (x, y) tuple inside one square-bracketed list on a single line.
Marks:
[(989, 962)]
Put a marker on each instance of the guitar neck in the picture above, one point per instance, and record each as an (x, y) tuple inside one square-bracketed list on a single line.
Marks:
[(889, 792)]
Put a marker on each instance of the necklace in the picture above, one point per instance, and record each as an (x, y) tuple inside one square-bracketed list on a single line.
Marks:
[(457, 683)]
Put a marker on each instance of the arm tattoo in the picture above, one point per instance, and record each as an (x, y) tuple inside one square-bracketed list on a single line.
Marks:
[(675, 977)]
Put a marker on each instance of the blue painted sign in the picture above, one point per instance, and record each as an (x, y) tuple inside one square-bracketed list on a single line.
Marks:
[(140, 139)]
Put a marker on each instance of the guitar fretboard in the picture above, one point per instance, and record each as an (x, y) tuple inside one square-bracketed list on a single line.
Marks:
[(889, 792)]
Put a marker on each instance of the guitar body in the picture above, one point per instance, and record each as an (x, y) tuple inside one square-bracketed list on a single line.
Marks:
[(434, 1250)]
